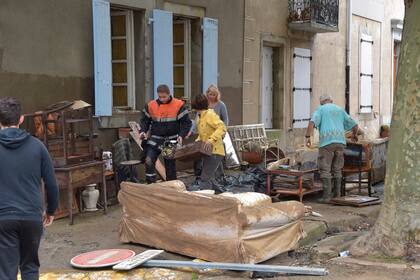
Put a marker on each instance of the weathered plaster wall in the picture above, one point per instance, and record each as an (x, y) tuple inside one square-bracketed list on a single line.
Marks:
[(46, 51), (268, 19), (377, 24), (329, 62)]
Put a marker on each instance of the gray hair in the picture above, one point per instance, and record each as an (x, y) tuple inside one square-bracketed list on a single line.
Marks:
[(325, 97)]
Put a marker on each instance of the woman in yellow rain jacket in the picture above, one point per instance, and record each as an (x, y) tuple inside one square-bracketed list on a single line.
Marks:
[(211, 130)]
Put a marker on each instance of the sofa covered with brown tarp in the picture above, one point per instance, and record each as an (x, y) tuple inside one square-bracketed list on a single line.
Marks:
[(211, 227)]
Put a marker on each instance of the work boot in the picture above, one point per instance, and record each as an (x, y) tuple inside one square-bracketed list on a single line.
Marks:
[(326, 194), (336, 186)]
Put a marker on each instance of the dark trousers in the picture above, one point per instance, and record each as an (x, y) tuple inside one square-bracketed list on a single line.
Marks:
[(152, 154), (19, 243), (331, 160), (198, 168), (208, 173)]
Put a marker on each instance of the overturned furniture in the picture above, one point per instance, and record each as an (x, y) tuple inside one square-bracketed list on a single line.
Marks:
[(216, 228)]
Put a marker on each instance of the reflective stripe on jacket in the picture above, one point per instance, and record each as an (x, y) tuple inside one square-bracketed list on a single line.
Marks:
[(166, 119)]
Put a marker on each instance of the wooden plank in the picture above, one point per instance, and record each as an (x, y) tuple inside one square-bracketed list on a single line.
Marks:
[(356, 200), (192, 151), (135, 134)]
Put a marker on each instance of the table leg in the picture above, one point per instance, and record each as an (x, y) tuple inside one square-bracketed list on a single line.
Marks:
[(300, 188), (81, 209), (70, 202), (104, 193), (268, 184)]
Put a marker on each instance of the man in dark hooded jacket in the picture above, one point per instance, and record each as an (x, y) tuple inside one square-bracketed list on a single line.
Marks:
[(24, 161)]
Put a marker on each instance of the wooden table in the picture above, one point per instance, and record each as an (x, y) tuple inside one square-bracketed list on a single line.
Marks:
[(80, 175), (300, 191)]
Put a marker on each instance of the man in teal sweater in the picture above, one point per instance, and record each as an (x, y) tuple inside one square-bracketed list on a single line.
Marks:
[(24, 162), (332, 122)]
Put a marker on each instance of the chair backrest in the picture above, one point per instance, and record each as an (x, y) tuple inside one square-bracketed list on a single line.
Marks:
[(122, 151), (356, 154), (243, 135)]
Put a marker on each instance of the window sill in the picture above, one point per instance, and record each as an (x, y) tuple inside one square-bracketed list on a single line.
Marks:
[(119, 118)]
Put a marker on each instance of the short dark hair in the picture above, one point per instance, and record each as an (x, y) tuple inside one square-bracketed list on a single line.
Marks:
[(163, 88), (10, 111), (200, 102)]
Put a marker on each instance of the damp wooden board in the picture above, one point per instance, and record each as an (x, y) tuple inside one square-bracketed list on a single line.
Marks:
[(192, 151), (356, 200)]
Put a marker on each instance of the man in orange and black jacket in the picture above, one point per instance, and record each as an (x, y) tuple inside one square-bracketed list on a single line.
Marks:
[(166, 118)]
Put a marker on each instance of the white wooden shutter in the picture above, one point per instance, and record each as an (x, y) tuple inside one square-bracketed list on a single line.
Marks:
[(162, 50), (267, 87), (210, 52), (366, 74), (102, 57), (301, 87)]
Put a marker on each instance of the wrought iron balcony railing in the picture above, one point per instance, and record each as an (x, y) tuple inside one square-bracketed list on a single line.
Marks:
[(314, 15)]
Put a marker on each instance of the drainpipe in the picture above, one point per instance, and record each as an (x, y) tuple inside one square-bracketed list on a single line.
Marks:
[(348, 55)]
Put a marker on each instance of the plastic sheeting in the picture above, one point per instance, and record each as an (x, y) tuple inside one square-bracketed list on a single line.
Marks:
[(251, 180)]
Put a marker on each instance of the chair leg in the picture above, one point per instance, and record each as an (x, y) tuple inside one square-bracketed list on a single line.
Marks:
[(360, 182), (343, 186), (370, 183)]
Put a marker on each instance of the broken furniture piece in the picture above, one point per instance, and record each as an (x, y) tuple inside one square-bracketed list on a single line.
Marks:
[(210, 227), (253, 145), (292, 183), (192, 151)]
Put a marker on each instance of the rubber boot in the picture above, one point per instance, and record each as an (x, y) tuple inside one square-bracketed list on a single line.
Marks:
[(336, 187), (326, 194)]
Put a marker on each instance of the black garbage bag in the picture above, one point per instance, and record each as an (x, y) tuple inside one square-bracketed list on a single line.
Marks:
[(251, 180)]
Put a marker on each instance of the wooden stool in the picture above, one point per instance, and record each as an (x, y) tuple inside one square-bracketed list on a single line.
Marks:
[(131, 165)]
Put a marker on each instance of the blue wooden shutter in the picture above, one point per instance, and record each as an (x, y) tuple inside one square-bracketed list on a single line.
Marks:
[(366, 74), (102, 57), (210, 52), (163, 70), (301, 87)]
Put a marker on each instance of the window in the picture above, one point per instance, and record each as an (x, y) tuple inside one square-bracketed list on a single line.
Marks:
[(182, 57), (122, 59)]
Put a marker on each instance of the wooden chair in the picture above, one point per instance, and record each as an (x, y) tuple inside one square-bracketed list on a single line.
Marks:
[(123, 162), (357, 160)]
